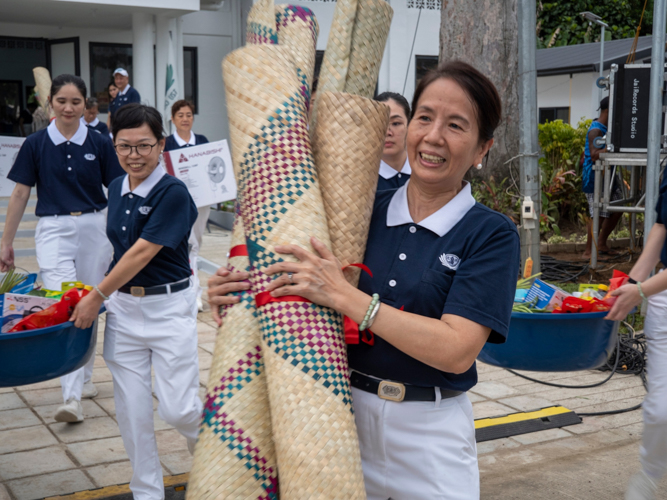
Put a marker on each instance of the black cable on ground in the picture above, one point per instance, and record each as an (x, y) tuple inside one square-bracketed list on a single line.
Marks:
[(630, 358)]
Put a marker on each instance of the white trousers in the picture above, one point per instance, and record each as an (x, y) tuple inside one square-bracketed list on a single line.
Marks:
[(195, 240), (158, 330), (417, 450), (73, 248), (653, 452)]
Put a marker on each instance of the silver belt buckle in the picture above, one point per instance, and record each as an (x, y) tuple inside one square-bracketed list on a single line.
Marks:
[(391, 391), (137, 291)]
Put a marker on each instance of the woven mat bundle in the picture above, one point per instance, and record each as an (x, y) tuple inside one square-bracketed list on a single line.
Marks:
[(235, 456), (347, 146), (355, 47), (298, 30), (43, 84), (261, 24), (305, 357)]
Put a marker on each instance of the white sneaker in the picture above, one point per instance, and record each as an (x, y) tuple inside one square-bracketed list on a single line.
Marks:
[(70, 412), (191, 445), (641, 487), (200, 305), (89, 391)]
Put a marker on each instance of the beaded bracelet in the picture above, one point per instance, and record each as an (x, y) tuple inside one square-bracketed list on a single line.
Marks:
[(641, 292), (371, 308), (97, 289)]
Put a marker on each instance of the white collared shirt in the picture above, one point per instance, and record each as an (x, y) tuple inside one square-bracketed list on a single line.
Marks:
[(124, 91), (57, 138), (91, 124), (440, 222), (387, 172), (181, 142), (148, 183)]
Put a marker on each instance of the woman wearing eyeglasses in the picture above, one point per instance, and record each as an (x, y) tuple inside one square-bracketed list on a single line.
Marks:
[(69, 164), (151, 305)]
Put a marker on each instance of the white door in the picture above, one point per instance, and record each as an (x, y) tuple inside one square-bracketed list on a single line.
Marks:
[(63, 56)]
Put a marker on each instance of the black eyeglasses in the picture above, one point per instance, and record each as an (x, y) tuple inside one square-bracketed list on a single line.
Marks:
[(141, 149)]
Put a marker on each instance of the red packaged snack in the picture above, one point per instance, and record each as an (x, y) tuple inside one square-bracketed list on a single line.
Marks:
[(56, 314), (617, 280)]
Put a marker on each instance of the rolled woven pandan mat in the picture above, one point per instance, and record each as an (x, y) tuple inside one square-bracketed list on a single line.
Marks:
[(235, 457), (261, 24), (347, 146), (371, 29), (336, 61), (302, 343), (297, 30), (43, 84)]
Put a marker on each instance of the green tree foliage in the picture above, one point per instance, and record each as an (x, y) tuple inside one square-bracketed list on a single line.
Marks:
[(559, 23)]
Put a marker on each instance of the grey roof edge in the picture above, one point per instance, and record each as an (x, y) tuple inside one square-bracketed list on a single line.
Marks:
[(593, 67)]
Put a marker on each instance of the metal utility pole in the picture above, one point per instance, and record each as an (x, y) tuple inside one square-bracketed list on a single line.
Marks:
[(593, 18), (530, 172), (655, 114)]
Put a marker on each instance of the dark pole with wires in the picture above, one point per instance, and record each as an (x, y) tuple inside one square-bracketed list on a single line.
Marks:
[(530, 172)]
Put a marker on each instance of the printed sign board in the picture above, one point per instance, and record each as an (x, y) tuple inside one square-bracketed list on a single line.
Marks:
[(206, 170)]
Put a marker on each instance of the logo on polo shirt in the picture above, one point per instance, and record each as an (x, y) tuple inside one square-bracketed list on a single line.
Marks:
[(450, 260), (89, 156), (182, 158), (145, 210)]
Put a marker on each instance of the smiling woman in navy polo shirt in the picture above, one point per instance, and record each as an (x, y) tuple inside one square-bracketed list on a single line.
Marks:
[(151, 311), (444, 274), (69, 163)]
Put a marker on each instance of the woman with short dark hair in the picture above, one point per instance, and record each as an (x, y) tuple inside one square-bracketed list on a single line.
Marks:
[(151, 305), (444, 274), (394, 166), (90, 119), (70, 164), (183, 117)]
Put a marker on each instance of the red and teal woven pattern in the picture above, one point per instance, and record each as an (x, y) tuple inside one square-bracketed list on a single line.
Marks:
[(235, 455), (302, 343)]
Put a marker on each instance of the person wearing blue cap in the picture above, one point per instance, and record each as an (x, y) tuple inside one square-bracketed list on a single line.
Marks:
[(126, 93)]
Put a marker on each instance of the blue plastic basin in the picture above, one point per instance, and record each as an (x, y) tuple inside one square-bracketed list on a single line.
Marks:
[(554, 342), (38, 355)]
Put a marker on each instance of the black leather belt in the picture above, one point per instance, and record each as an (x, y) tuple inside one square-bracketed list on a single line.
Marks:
[(396, 391), (140, 291)]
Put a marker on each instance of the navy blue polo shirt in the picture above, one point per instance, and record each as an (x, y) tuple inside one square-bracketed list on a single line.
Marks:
[(390, 178), (98, 126), (131, 95), (462, 260), (159, 210), (661, 208), (175, 142), (69, 174)]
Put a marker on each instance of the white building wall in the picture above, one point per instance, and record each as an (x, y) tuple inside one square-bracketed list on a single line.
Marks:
[(396, 61), (577, 91)]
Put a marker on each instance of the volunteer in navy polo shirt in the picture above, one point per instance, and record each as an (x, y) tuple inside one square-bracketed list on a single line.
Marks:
[(70, 164), (126, 93), (89, 118), (643, 286), (444, 271), (394, 166), (150, 301), (183, 117)]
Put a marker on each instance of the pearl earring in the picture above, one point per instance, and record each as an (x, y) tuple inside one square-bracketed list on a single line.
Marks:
[(479, 166)]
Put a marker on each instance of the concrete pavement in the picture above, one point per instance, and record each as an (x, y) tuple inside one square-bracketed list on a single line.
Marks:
[(41, 458)]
